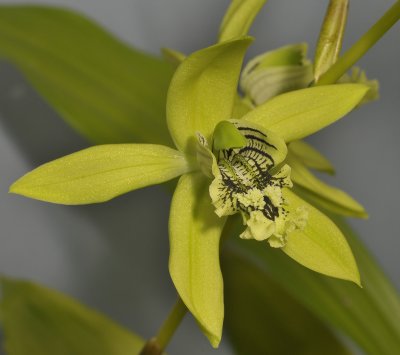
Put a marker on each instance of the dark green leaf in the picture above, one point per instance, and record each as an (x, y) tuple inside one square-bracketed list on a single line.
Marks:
[(107, 91), (370, 316), (262, 318), (39, 321)]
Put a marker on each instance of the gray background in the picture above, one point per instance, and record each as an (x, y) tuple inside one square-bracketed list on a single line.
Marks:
[(114, 256)]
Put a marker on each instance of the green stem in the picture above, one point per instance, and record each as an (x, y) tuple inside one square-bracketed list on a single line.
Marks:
[(167, 330), (156, 345), (361, 46)]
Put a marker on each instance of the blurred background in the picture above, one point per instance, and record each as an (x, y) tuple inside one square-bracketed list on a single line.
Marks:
[(114, 256)]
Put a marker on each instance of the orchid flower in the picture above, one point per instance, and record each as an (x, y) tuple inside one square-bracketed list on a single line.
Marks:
[(227, 166)]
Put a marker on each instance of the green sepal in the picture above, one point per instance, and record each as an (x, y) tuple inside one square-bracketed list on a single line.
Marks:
[(340, 200), (227, 136), (194, 232), (40, 321), (107, 91), (310, 157), (357, 75), (203, 91), (100, 173), (320, 245), (238, 18), (297, 114)]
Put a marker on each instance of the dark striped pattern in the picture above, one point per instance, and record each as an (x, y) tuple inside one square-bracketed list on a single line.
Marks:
[(247, 168)]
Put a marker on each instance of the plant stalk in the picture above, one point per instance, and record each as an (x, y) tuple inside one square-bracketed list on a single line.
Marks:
[(156, 345), (348, 59)]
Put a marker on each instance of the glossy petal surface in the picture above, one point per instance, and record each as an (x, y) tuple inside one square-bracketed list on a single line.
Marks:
[(299, 113), (320, 246), (203, 91), (100, 173), (195, 232)]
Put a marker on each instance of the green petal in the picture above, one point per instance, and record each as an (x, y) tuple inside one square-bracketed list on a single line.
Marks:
[(275, 72), (40, 321), (195, 232), (333, 196), (263, 318), (104, 89), (320, 246), (310, 157), (238, 18), (298, 114), (100, 173), (203, 91)]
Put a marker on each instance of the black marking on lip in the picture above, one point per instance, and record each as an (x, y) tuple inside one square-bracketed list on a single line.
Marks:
[(241, 128), (258, 151), (252, 137)]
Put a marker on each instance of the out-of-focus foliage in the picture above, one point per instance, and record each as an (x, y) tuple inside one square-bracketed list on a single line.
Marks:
[(368, 315), (40, 321), (107, 91), (262, 318)]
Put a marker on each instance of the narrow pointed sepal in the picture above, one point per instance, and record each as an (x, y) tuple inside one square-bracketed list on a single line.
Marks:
[(358, 76), (320, 245), (203, 91), (100, 173), (297, 114), (195, 232), (310, 157), (340, 201)]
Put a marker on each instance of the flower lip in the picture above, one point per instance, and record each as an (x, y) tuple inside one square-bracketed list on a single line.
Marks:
[(249, 180)]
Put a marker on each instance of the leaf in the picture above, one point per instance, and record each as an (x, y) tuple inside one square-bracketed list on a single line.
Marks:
[(320, 246), (202, 92), (262, 318), (238, 18), (297, 114), (105, 90), (310, 157), (368, 315), (100, 173), (40, 321), (340, 200), (195, 232)]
